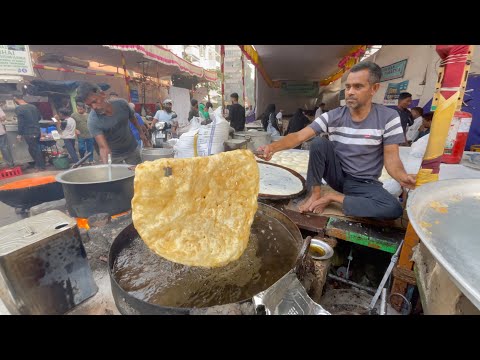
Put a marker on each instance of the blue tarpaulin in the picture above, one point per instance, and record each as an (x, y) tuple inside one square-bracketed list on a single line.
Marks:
[(42, 87)]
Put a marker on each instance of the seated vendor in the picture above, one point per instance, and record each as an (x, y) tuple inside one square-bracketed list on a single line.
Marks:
[(363, 137)]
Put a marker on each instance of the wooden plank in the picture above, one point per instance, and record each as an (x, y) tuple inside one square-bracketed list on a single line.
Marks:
[(303, 221), (405, 275), (384, 239)]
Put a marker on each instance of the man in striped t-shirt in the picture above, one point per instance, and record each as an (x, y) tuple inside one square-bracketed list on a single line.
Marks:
[(363, 136)]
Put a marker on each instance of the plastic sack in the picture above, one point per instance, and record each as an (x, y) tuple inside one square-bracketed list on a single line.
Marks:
[(419, 147), (210, 138)]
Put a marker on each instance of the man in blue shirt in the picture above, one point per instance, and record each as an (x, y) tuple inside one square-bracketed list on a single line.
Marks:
[(133, 128)]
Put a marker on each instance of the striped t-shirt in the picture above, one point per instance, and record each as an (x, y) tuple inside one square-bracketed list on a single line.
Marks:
[(359, 145)]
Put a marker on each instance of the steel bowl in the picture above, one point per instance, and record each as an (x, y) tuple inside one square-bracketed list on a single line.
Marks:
[(327, 249)]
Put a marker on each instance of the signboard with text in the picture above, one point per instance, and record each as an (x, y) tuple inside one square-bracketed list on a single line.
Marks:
[(15, 60), (294, 88), (393, 92), (394, 71)]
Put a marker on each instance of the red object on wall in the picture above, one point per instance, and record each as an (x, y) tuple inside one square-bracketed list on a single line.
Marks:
[(457, 137)]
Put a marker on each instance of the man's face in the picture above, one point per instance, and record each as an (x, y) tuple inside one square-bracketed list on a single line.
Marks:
[(97, 102), (415, 114), (405, 103), (358, 90), (427, 123), (232, 100), (81, 110), (167, 107)]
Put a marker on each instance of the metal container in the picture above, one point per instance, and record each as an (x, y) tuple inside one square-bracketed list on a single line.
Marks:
[(254, 139), (325, 248), (18, 149), (43, 265), (266, 218), (89, 191), (157, 153), (445, 215), (234, 144), (25, 198)]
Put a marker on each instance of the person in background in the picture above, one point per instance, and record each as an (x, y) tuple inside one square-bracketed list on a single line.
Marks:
[(85, 140), (249, 111), (193, 110), (113, 95), (165, 115), (279, 118), (28, 117), (269, 121), (297, 123), (109, 124), (157, 106), (6, 154), (412, 131), (320, 110), (66, 127), (404, 101), (426, 124), (133, 128), (203, 112), (208, 107), (236, 114)]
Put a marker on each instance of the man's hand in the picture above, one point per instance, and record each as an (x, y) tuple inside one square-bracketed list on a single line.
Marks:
[(267, 152), (318, 206), (407, 181), (144, 138), (77, 132)]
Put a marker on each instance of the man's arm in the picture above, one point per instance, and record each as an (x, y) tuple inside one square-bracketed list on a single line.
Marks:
[(140, 129), (288, 142), (21, 125), (103, 147), (395, 168)]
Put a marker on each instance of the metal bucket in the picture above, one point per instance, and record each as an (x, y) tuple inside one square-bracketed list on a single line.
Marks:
[(157, 153), (129, 255), (88, 190), (234, 144), (254, 139)]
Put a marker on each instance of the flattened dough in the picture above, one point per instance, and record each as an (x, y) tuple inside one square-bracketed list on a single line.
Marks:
[(200, 215), (278, 181)]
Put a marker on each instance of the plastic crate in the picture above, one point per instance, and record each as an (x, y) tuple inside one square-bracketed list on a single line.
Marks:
[(8, 173)]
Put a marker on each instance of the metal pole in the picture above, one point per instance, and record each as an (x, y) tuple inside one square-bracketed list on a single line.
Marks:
[(383, 304), (243, 77), (222, 69), (127, 78), (385, 277), (348, 282)]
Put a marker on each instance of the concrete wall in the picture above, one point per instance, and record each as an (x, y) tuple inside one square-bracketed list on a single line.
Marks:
[(289, 103), (330, 95)]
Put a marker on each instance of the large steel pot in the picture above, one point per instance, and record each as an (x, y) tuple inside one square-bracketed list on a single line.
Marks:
[(27, 197), (275, 241), (254, 139), (148, 154), (89, 191)]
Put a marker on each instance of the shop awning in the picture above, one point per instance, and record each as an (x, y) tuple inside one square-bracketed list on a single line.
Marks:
[(154, 60), (322, 63)]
